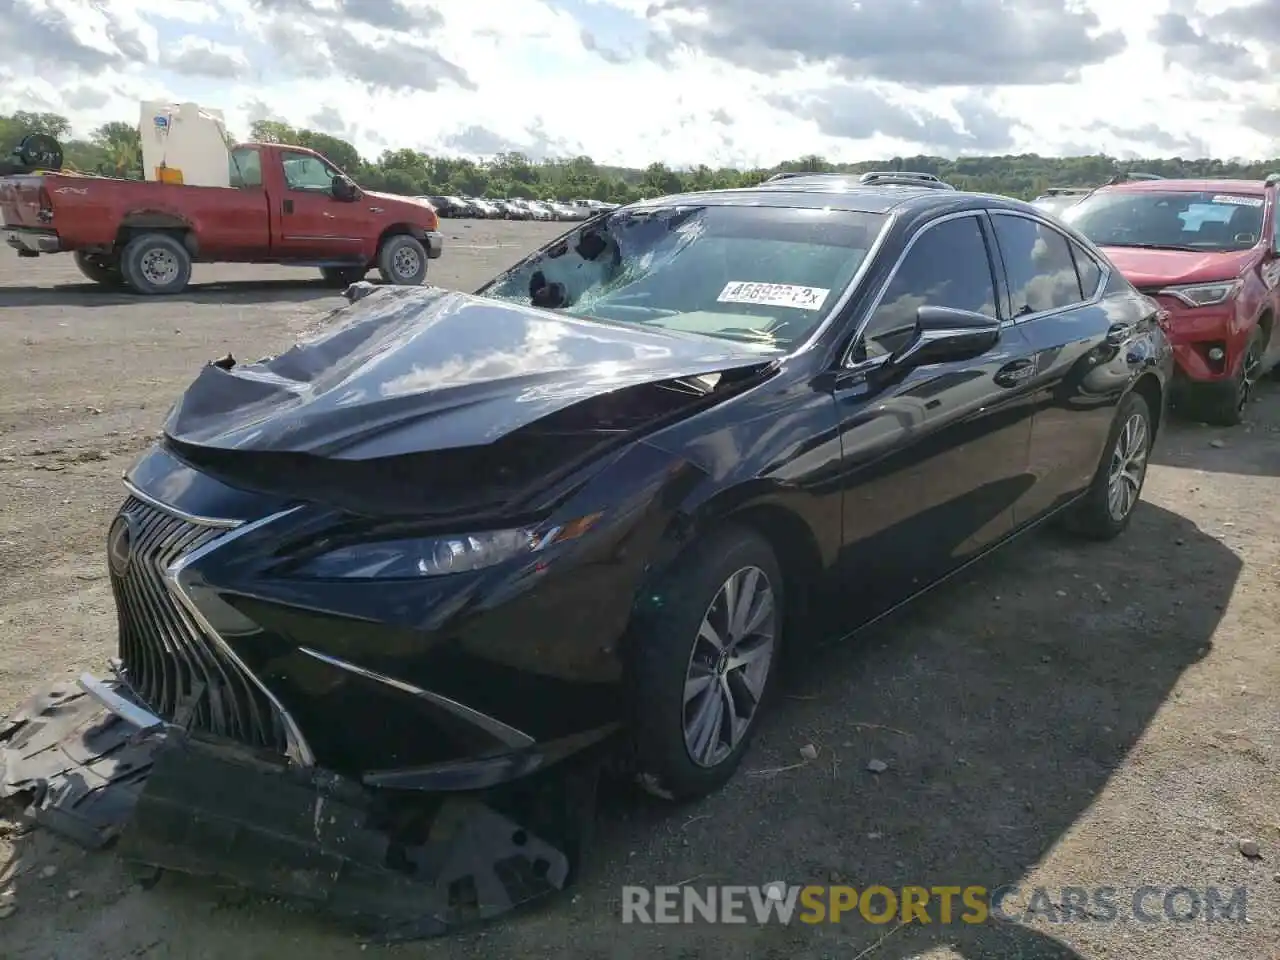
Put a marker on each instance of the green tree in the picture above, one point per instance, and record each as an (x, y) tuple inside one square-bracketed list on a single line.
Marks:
[(121, 144)]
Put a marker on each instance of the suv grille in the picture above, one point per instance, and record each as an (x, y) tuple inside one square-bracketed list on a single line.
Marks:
[(178, 671)]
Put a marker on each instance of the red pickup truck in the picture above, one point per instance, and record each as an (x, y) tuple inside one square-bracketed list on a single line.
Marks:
[(285, 205)]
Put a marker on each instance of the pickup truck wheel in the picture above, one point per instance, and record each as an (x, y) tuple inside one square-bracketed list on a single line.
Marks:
[(156, 263), (342, 276), (402, 260), (99, 269)]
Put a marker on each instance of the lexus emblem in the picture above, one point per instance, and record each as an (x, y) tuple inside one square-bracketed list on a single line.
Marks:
[(120, 545)]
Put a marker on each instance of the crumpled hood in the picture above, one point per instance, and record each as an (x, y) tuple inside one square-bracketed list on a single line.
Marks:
[(1154, 268), (414, 370)]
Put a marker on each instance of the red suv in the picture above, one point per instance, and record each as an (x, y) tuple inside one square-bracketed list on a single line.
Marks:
[(1206, 250)]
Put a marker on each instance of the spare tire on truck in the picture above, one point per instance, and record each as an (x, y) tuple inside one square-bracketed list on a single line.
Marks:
[(100, 268), (156, 264)]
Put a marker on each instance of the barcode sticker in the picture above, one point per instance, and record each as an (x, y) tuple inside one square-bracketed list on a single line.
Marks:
[(774, 294), (1238, 200)]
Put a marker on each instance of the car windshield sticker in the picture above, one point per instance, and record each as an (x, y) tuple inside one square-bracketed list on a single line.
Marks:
[(773, 295), (1238, 200)]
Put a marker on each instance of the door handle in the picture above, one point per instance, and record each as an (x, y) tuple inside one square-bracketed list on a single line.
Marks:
[(286, 206), (1015, 373)]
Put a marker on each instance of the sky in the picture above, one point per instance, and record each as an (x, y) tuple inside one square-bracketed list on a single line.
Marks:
[(740, 83)]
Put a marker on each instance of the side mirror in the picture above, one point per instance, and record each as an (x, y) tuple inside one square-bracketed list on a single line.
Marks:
[(343, 189), (943, 335)]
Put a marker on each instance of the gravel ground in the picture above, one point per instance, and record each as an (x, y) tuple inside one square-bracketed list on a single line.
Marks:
[(1065, 716)]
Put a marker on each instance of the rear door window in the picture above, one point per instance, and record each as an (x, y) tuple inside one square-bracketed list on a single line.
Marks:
[(1038, 262), (1087, 269)]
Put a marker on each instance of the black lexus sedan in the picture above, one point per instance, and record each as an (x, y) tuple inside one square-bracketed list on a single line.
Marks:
[(455, 538)]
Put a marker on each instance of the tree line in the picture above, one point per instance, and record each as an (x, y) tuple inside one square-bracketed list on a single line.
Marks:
[(114, 149)]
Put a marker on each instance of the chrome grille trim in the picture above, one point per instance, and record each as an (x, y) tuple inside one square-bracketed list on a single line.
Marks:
[(170, 652), (146, 498)]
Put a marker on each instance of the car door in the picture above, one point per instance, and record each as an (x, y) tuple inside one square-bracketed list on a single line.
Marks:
[(933, 459), (314, 225), (1271, 276), (1059, 301)]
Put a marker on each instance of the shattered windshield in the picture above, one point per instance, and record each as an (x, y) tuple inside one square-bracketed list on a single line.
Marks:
[(1168, 220), (767, 275)]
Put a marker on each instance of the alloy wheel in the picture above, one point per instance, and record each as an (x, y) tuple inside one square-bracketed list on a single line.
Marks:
[(728, 667), (1128, 467), (1251, 368)]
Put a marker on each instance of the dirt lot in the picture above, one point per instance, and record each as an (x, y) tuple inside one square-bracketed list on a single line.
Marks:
[(1066, 716)]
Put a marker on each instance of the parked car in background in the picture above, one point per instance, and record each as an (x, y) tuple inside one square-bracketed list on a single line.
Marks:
[(446, 206), (539, 210), (568, 211), (513, 209), (1207, 251), (1057, 199), (488, 210), (285, 204)]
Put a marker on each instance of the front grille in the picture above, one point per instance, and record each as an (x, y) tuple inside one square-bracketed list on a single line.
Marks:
[(170, 662)]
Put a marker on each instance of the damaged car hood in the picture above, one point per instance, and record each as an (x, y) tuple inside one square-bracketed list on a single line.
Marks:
[(415, 370)]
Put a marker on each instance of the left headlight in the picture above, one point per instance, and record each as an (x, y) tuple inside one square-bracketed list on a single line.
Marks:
[(438, 556), (1204, 294)]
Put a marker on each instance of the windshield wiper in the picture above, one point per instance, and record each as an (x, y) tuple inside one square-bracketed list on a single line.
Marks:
[(1153, 246)]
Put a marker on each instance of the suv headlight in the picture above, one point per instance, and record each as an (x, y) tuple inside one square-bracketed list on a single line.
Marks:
[(1204, 294), (437, 556)]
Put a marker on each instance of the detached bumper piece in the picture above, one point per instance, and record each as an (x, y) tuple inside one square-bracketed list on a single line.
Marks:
[(394, 865)]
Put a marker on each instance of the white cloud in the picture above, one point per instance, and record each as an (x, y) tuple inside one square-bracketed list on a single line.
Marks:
[(630, 81)]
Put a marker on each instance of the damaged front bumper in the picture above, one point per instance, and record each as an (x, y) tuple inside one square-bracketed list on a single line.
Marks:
[(91, 765)]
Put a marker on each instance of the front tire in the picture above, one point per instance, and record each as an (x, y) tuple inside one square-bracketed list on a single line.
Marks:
[(701, 660), (156, 264), (101, 270), (1107, 507), (402, 260)]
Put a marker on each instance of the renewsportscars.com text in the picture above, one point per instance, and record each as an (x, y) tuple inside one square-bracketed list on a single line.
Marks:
[(779, 903)]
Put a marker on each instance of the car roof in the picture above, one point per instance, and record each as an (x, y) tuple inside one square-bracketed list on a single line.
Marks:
[(1256, 187), (841, 194)]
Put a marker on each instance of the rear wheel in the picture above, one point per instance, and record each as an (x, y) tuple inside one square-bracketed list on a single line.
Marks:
[(99, 268), (1225, 403), (701, 663), (342, 276), (402, 260), (156, 264), (1106, 509)]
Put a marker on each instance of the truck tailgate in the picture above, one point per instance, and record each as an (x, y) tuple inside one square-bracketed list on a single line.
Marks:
[(21, 200)]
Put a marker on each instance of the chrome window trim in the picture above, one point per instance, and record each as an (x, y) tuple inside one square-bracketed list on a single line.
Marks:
[(133, 490), (297, 748), (884, 287), (1103, 278), (505, 734)]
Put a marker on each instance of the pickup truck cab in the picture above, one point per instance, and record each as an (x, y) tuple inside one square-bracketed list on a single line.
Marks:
[(285, 205)]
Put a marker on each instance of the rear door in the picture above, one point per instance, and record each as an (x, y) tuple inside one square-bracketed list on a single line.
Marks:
[(314, 225), (1076, 324), (933, 461)]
